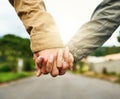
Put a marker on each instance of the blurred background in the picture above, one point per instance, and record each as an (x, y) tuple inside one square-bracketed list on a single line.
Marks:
[(16, 57)]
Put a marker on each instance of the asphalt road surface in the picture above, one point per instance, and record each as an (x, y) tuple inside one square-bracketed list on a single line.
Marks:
[(64, 87)]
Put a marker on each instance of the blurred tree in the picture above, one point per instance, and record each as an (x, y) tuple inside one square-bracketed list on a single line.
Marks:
[(118, 38), (15, 46), (102, 51), (28, 65)]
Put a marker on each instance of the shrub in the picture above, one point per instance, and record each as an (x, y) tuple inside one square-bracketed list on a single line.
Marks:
[(28, 65), (10, 76), (119, 77), (5, 67)]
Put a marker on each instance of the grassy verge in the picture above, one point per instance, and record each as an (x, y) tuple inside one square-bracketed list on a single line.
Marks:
[(109, 77), (112, 77), (118, 80), (10, 76)]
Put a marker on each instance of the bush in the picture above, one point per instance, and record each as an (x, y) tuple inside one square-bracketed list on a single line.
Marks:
[(10, 76), (28, 65), (81, 67), (5, 67), (119, 77)]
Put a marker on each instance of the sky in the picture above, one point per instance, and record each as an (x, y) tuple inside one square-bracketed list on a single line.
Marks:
[(68, 14)]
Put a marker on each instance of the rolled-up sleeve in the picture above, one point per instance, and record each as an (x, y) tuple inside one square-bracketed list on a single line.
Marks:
[(40, 24)]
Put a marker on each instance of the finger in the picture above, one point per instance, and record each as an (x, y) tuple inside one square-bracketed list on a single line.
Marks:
[(59, 58), (55, 71), (65, 66), (62, 72), (39, 61), (66, 54), (50, 63), (43, 69), (71, 60), (38, 71)]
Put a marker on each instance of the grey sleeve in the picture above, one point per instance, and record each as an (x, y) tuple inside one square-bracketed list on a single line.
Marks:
[(105, 20)]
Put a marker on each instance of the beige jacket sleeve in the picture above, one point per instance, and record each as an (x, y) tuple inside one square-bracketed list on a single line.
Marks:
[(40, 25)]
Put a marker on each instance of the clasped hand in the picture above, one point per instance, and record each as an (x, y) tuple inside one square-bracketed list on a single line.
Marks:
[(54, 61)]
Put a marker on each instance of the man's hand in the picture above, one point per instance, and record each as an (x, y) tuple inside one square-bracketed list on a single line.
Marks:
[(53, 61)]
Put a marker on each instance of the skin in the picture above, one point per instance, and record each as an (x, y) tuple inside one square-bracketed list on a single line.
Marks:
[(53, 61)]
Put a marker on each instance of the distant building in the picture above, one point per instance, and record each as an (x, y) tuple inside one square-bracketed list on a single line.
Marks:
[(111, 63)]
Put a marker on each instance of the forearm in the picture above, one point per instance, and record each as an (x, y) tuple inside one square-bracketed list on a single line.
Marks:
[(39, 24), (93, 34)]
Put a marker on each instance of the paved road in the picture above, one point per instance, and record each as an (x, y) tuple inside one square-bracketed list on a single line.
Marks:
[(65, 87)]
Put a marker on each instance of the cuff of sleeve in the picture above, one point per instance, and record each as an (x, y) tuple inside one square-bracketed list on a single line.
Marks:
[(42, 42), (77, 53)]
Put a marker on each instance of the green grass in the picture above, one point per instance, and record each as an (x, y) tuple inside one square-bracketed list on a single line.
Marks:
[(10, 76), (118, 80)]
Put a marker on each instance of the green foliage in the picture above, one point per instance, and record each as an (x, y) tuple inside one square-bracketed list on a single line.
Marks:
[(4, 67), (8, 66), (12, 48), (118, 38), (28, 65), (9, 76), (119, 77), (80, 67), (102, 51), (15, 46)]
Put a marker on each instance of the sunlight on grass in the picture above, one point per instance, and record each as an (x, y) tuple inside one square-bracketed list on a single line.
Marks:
[(10, 76)]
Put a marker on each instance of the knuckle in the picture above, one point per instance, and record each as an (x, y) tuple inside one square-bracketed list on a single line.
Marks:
[(48, 69), (64, 68), (59, 65), (50, 62)]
